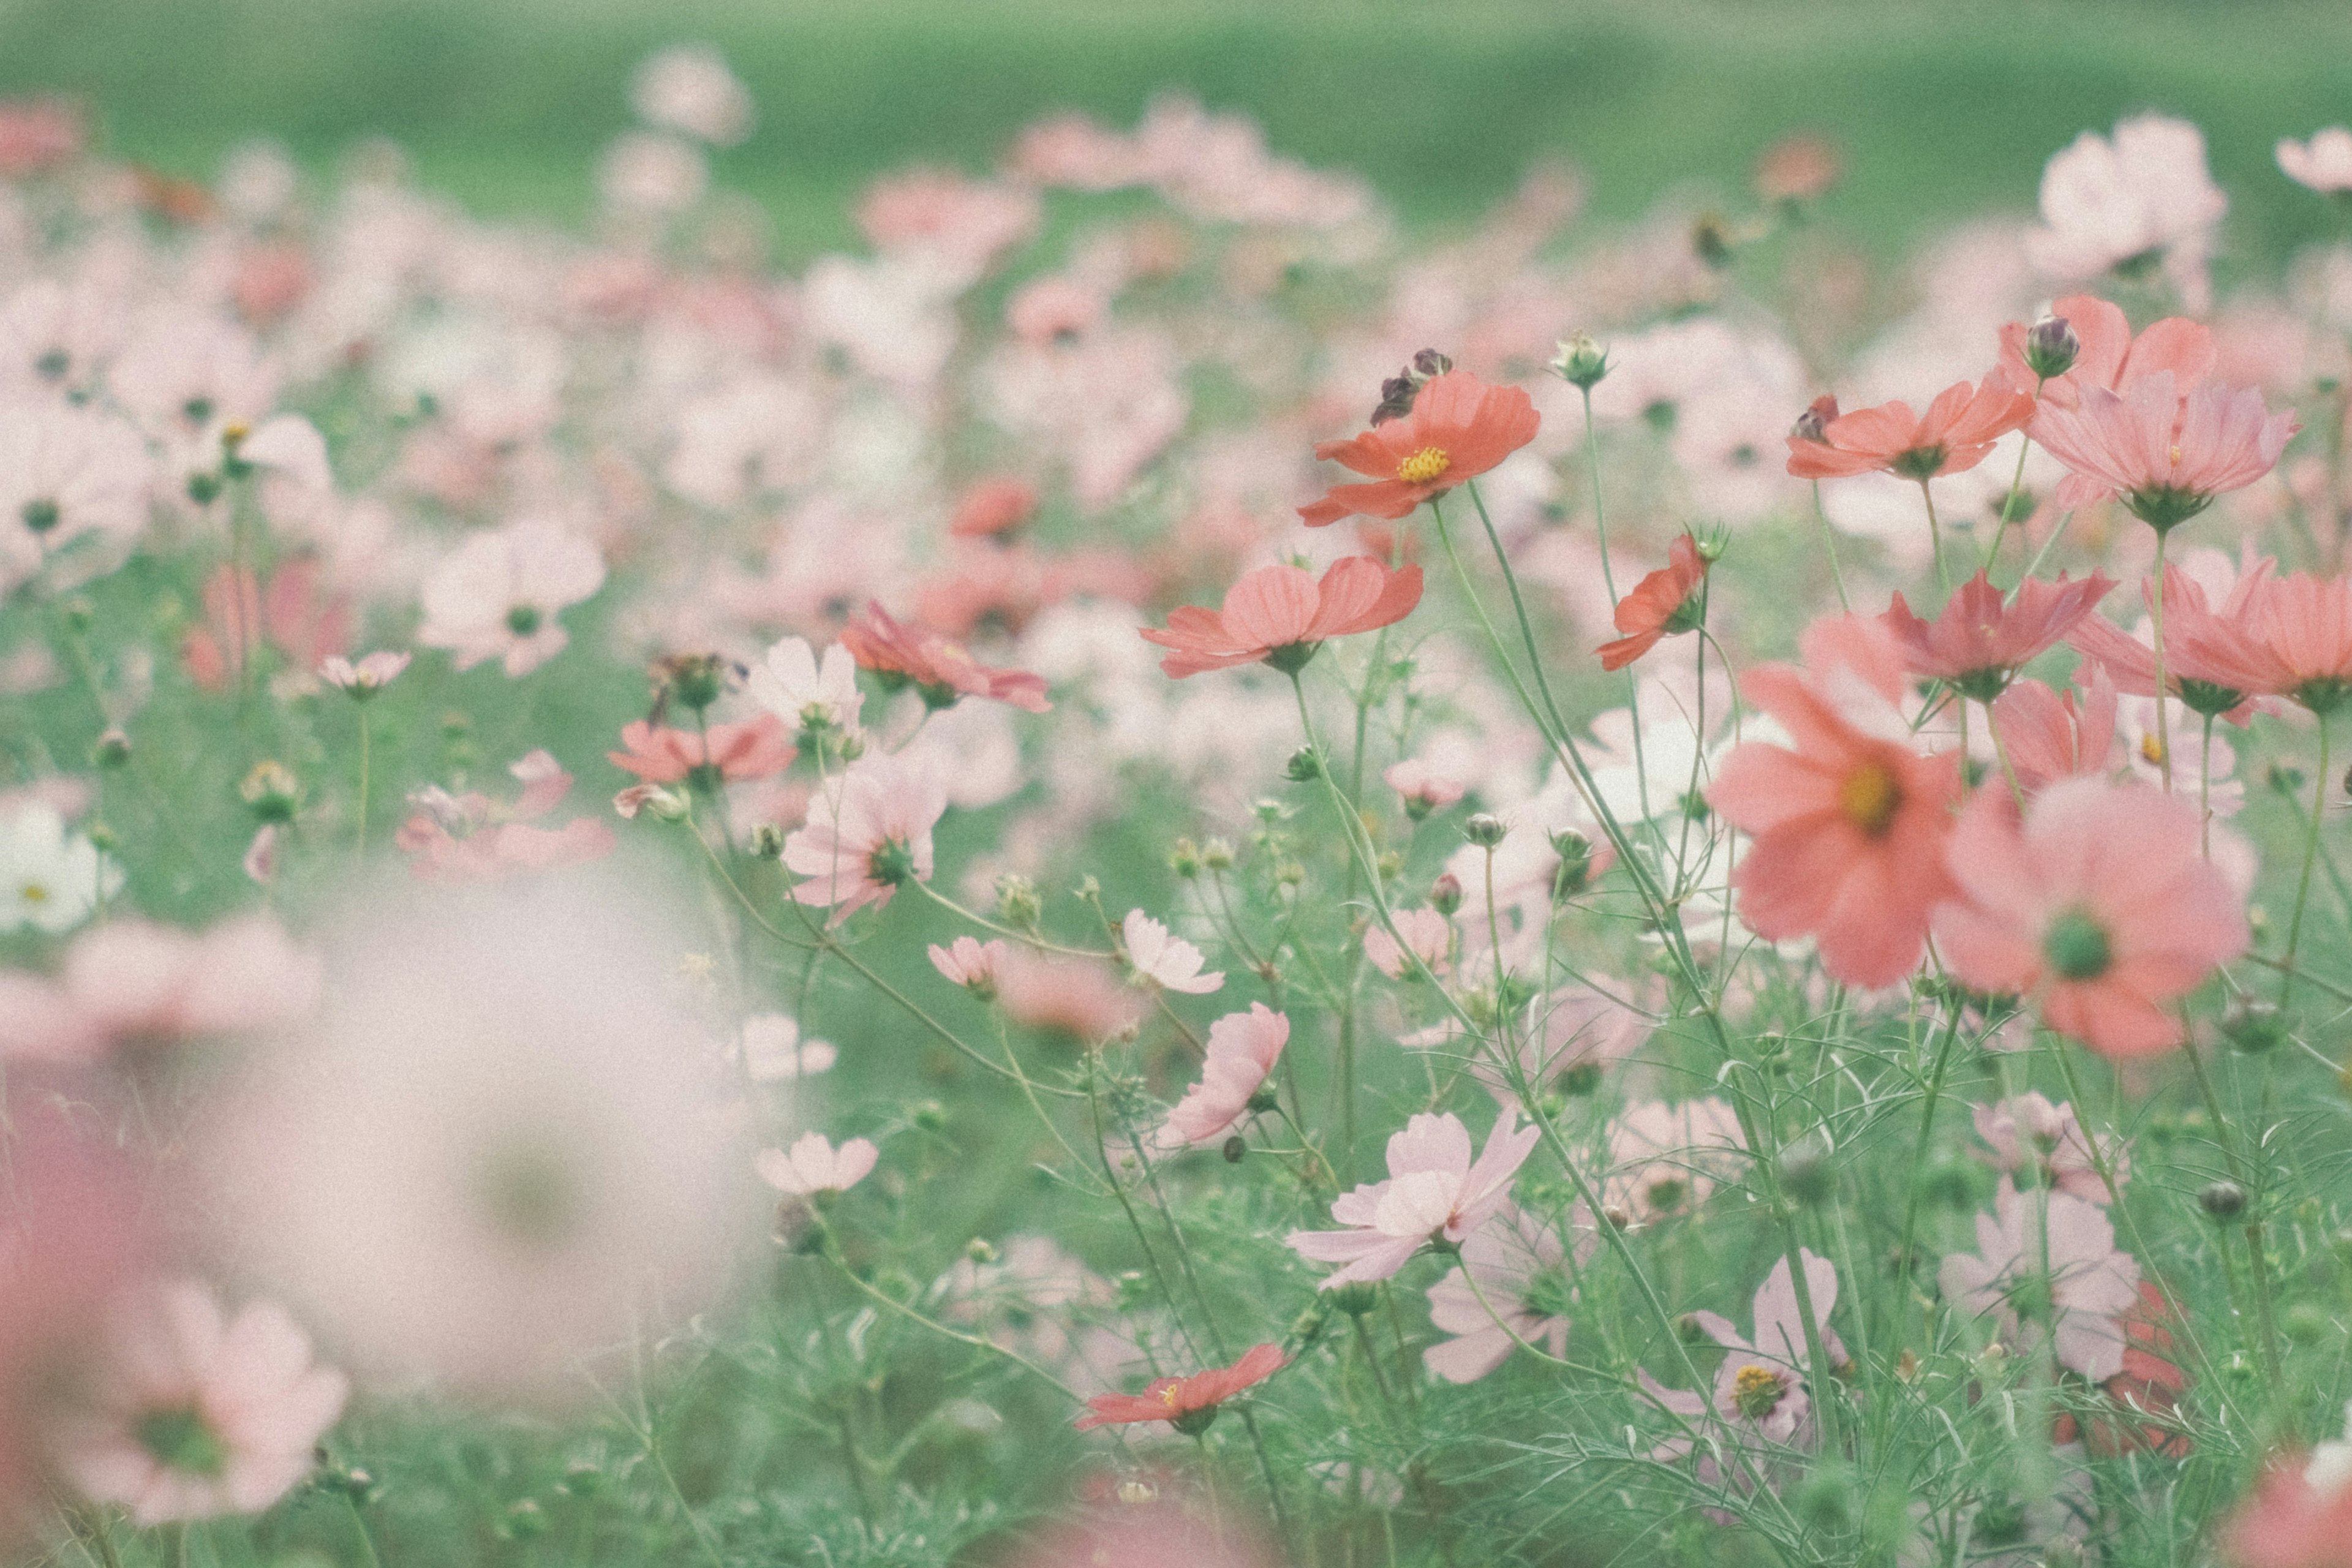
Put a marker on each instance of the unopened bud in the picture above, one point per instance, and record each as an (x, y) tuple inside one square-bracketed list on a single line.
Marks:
[(112, 749), (2253, 1027), (1217, 854), (1575, 873), (768, 841), (1429, 362), (1581, 363), (1184, 860), (1485, 829), (1235, 1148), (272, 790), (1017, 904), (1813, 423), (1304, 767), (1446, 893), (2052, 346), (1805, 1171), (980, 1249), (2222, 1200)]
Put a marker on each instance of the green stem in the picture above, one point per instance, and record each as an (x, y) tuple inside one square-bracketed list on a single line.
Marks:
[(1935, 537), (1600, 516), (1829, 546), (2163, 730), (2310, 857)]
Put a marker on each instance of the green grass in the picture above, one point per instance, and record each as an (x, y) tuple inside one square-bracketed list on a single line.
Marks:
[(1944, 110)]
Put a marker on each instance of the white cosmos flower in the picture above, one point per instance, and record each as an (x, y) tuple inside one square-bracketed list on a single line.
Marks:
[(50, 878)]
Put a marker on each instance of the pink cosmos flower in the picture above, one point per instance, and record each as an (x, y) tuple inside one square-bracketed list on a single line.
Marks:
[(199, 1414), (939, 669), (2028, 1131), (131, 983), (1521, 1268), (1077, 997), (1665, 1160), (1188, 1403), (1567, 1040), (728, 754), (70, 477), (970, 962), (1243, 1049), (2058, 1275), (1434, 1193), (2109, 355), (813, 1165), (2050, 736), (867, 837), (1981, 641), (814, 697), (992, 507), (1958, 431), (2323, 163), (2205, 649), (240, 613), (468, 838), (1429, 934), (2292, 638), (362, 679), (1423, 785), (497, 595), (2142, 199), (2299, 1515), (2167, 446), (1281, 614), (1759, 1390), (2100, 908), (1850, 823), (1168, 962)]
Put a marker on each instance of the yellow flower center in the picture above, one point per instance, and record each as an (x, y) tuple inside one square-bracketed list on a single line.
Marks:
[(2152, 748), (2175, 454), (1870, 798), (34, 893), (1424, 466), (1168, 1396), (1755, 1391)]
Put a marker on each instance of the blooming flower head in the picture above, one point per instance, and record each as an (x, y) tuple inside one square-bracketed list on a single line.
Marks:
[(1281, 614), (818, 700), (2140, 200), (1459, 428), (2048, 1266), (1189, 1403), (724, 754), (469, 838), (1665, 1160), (992, 507), (2292, 637), (1429, 936), (2049, 736), (1243, 1049), (67, 475), (199, 1413), (1850, 822), (497, 595), (131, 983), (50, 878), (867, 837), (1981, 641), (1956, 433), (2323, 163), (2206, 647), (2100, 908), (1522, 1273), (363, 679), (2028, 1131), (813, 1165), (2166, 445), (1423, 785), (1761, 1389), (1661, 605), (939, 669), (970, 962), (1080, 998), (1158, 958), (1434, 1194)]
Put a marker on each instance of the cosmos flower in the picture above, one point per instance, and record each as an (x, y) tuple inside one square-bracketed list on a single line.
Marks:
[(363, 679), (2129, 203), (1434, 1193), (2028, 1131), (1189, 1403), (498, 594), (470, 838), (970, 962), (1241, 1051), (725, 753), (1160, 959), (2167, 447), (1958, 431), (1459, 428), (1429, 935), (1281, 614), (941, 671), (813, 1165), (1665, 1160), (867, 837), (1983, 639), (2048, 1266), (50, 877), (1661, 605), (2323, 163), (2049, 736), (1522, 1272), (816, 699)]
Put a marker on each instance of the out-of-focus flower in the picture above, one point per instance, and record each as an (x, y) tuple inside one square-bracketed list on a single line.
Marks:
[(775, 1052), (1189, 1403), (130, 982), (50, 877), (38, 134), (970, 962), (689, 89), (2048, 737), (1163, 960), (867, 837), (1423, 785), (1799, 168), (992, 507), (644, 174), (1981, 641), (495, 1150), (468, 838), (1459, 428), (1241, 1051), (1956, 433), (1662, 603), (2100, 908), (366, 677), (813, 1165), (2048, 1266), (2299, 1515), (1523, 1293), (1434, 1193), (2028, 1131), (2293, 639), (2107, 355), (198, 1413), (1850, 824), (1665, 1160), (724, 754), (940, 669), (1077, 997), (820, 701), (2135, 203), (2219, 645), (1281, 614), (497, 595), (2323, 163), (2166, 447), (67, 475), (292, 614), (1429, 934)]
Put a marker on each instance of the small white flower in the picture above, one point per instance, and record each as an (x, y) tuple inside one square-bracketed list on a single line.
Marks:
[(50, 878), (1166, 961), (773, 1051), (815, 1165), (792, 685)]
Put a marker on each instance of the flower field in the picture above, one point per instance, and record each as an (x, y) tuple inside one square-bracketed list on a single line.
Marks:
[(1153, 869)]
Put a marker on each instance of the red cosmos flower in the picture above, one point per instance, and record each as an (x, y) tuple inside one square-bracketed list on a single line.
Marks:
[(2149, 1385), (1958, 429), (1979, 642), (1459, 428), (659, 754), (1661, 604), (938, 667), (1851, 822), (992, 506), (1189, 1403), (1282, 615)]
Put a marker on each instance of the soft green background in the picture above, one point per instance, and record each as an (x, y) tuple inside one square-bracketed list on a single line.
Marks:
[(1944, 109)]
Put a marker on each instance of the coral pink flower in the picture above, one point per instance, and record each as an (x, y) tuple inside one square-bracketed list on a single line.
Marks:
[(2205, 649), (813, 1165), (1281, 614), (2323, 163), (1434, 1193), (936, 666), (1661, 605), (293, 616), (2049, 737), (497, 595), (728, 754), (970, 962), (466, 838), (1424, 787), (2290, 637), (1979, 642), (1521, 1270), (1189, 1403), (1850, 823), (2029, 1130), (866, 839), (994, 506), (1956, 433), (1163, 960), (2109, 355), (1459, 428), (2298, 1516), (2066, 1242), (1243, 1049), (1429, 934), (38, 134), (200, 1414), (2165, 445), (1665, 1160), (2100, 908)]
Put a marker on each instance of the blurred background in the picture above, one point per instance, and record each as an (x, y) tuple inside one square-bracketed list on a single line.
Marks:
[(1942, 109)]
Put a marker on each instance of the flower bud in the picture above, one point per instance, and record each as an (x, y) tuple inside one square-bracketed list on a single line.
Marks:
[(1217, 854), (1429, 362), (2253, 1027), (1485, 829), (1581, 363), (1446, 893), (1805, 1171), (1813, 423), (1575, 873), (1017, 904), (1304, 767), (2222, 1200), (110, 750), (980, 1249), (1184, 860), (1236, 1147), (2052, 346), (272, 790), (768, 841)]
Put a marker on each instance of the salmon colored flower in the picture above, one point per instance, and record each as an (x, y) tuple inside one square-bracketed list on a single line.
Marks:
[(941, 669), (2108, 354), (2300, 1516), (1661, 604), (2218, 646), (1459, 428), (728, 754), (1188, 1403), (994, 506), (1850, 822), (2165, 444), (2100, 908), (2292, 637), (468, 839), (1077, 997), (2148, 1385), (1434, 1194), (1980, 641), (1281, 614), (1955, 434), (1243, 1049), (2049, 737)]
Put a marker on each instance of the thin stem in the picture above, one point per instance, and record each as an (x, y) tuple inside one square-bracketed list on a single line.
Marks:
[(2310, 857), (1600, 516), (2163, 730), (1829, 546), (1935, 537), (2243, 1174), (2009, 502), (976, 1341), (359, 841)]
